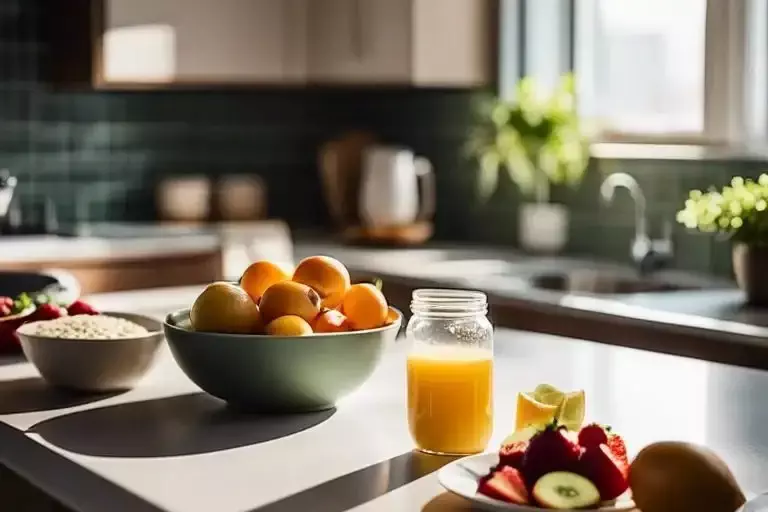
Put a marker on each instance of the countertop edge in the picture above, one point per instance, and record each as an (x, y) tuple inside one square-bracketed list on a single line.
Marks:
[(70, 249), (82, 490)]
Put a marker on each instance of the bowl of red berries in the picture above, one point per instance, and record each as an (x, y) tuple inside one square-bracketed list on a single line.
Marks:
[(25, 308), (29, 296)]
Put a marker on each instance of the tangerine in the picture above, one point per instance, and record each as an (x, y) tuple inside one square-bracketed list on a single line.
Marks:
[(331, 320), (289, 298), (365, 306), (327, 276), (288, 325), (260, 275), (225, 307)]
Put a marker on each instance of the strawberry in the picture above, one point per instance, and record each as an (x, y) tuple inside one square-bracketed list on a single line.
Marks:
[(47, 312), (592, 435), (618, 448), (552, 449), (607, 472), (5, 310), (505, 484), (81, 308), (512, 454)]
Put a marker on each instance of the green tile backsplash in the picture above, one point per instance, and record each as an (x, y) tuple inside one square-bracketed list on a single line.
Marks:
[(109, 149)]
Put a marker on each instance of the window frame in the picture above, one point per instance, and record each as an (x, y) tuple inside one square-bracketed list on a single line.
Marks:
[(736, 62)]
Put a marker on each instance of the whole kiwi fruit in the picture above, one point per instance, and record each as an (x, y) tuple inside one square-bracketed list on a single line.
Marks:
[(674, 476)]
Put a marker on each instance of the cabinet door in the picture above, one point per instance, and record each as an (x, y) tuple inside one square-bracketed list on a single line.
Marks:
[(202, 41), (359, 41), (452, 42)]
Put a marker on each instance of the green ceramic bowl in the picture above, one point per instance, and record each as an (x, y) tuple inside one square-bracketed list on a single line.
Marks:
[(277, 373)]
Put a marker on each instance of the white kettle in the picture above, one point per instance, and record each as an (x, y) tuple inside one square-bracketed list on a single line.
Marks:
[(389, 190)]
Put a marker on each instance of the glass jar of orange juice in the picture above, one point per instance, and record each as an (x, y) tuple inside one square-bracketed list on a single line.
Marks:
[(450, 372)]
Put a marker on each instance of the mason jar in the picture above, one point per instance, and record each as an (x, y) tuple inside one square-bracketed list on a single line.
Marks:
[(450, 371)]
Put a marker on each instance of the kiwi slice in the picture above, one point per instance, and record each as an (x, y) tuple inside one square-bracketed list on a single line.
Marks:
[(565, 491)]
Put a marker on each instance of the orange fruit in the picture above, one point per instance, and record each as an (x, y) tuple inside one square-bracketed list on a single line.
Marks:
[(365, 306), (225, 307), (391, 316), (260, 275), (331, 320), (289, 298), (326, 275), (288, 325)]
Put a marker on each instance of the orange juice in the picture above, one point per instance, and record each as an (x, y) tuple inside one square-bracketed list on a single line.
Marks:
[(450, 399)]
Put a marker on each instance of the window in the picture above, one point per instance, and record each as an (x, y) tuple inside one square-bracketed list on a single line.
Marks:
[(648, 70), (646, 60)]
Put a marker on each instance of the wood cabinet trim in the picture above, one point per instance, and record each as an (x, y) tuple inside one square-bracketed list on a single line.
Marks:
[(116, 261), (98, 275)]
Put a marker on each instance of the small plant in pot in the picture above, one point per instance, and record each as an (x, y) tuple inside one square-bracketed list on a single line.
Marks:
[(539, 141), (738, 212)]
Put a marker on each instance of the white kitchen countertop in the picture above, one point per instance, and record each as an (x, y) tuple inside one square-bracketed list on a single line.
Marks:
[(269, 239), (165, 446), (54, 248)]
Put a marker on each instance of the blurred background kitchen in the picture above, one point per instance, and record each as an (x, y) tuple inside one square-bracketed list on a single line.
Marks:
[(157, 143)]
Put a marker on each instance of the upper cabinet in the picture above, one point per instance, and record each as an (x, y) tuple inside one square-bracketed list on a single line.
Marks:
[(158, 43), (421, 42), (359, 41), (165, 43), (200, 41)]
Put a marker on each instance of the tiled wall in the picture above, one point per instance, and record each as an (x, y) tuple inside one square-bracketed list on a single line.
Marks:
[(109, 149), (606, 231)]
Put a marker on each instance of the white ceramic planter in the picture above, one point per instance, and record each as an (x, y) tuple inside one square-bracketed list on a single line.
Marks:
[(543, 227)]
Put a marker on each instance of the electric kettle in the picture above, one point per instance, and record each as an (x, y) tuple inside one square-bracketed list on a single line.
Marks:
[(390, 192)]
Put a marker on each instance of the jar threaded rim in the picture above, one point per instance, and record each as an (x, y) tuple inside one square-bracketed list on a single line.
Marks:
[(448, 302)]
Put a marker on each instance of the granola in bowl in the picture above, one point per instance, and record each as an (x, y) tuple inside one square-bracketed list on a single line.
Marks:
[(86, 327)]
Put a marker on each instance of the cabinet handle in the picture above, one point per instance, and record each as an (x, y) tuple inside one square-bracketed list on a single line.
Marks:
[(286, 48), (356, 32)]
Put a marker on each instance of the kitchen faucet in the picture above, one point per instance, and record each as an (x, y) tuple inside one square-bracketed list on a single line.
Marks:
[(648, 254)]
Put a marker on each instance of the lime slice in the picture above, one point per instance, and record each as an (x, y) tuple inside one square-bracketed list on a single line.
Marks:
[(548, 394), (545, 389), (571, 413)]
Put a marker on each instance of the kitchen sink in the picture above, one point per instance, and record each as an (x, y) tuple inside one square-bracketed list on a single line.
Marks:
[(613, 283), (566, 275)]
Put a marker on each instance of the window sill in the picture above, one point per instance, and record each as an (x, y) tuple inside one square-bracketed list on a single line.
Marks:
[(685, 152)]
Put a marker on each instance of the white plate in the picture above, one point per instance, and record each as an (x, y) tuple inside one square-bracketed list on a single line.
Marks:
[(463, 476)]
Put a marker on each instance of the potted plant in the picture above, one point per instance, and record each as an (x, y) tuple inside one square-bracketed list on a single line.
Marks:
[(738, 212), (539, 141)]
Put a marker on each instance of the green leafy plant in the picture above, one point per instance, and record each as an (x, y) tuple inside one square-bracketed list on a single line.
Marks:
[(739, 211), (538, 140), (21, 303)]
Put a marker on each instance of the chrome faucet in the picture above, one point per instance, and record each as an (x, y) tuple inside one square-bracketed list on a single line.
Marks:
[(648, 254)]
